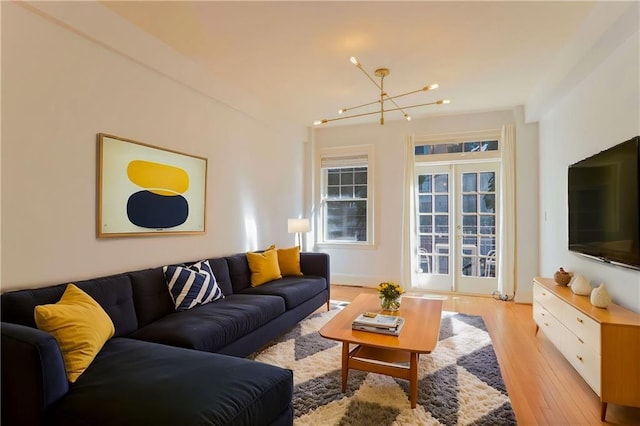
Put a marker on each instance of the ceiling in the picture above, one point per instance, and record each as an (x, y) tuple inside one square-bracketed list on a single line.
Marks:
[(294, 56)]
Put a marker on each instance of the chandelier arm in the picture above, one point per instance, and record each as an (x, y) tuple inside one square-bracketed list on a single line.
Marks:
[(368, 76), (360, 106), (326, 120)]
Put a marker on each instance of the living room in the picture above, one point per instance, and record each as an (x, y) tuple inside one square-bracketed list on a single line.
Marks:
[(73, 70)]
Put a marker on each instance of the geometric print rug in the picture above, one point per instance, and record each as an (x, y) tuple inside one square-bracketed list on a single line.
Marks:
[(459, 383)]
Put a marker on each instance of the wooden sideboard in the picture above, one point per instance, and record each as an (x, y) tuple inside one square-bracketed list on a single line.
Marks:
[(603, 345)]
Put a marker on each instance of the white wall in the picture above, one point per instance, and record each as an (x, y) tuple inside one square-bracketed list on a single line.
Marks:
[(369, 266), (601, 111), (61, 86)]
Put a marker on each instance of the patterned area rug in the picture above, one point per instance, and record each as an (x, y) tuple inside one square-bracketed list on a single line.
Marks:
[(459, 382)]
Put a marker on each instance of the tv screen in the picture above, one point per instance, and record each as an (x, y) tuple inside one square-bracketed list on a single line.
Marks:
[(604, 208)]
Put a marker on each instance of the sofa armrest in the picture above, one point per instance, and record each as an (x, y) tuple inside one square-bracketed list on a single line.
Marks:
[(33, 374), (315, 264)]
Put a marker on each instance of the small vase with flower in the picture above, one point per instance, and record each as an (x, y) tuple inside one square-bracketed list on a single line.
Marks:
[(390, 295)]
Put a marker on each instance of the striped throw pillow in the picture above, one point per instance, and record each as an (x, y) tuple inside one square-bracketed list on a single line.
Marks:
[(192, 285)]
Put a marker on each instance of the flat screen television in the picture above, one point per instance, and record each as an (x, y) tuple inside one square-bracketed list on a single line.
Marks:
[(604, 206)]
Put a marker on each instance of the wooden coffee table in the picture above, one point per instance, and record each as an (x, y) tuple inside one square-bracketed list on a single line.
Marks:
[(384, 354)]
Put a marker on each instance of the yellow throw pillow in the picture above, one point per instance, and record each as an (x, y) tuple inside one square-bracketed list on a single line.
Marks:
[(264, 266), (289, 261), (80, 326)]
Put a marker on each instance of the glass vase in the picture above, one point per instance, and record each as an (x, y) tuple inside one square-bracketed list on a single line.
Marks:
[(390, 304)]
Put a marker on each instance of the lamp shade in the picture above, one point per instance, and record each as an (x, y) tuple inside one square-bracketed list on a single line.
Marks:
[(298, 225)]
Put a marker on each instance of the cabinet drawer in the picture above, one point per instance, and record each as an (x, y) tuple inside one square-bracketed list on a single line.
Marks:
[(550, 326), (548, 300), (585, 361), (586, 330)]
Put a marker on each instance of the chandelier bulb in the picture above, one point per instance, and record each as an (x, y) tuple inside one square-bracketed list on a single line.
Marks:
[(319, 122), (431, 87), (407, 117), (354, 61), (342, 111), (443, 101)]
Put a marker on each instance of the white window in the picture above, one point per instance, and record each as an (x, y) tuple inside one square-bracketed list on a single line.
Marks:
[(346, 179)]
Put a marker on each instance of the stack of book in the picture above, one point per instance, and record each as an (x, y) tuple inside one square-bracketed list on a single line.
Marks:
[(378, 323)]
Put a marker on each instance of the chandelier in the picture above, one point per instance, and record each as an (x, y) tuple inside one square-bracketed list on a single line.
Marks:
[(381, 73)]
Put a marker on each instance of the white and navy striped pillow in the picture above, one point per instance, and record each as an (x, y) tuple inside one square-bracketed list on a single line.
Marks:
[(192, 285)]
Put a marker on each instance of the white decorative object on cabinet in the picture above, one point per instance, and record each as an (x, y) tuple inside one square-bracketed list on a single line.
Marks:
[(600, 297), (602, 345), (580, 285)]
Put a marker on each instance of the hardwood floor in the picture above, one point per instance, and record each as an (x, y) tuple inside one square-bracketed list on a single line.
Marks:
[(543, 387)]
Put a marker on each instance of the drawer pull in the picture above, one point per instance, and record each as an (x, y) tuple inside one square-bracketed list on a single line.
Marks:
[(544, 294), (579, 358), (580, 340), (546, 324), (579, 320)]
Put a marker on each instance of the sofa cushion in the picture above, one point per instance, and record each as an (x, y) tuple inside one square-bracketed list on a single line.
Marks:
[(294, 290), (80, 326), (150, 295), (192, 285), (214, 325), (113, 293), (239, 272), (289, 261), (221, 271), (141, 383), (264, 266)]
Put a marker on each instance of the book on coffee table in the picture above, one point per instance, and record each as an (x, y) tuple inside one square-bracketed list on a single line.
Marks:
[(377, 320), (393, 331)]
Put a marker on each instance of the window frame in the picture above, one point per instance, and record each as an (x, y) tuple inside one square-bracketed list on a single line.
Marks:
[(337, 154)]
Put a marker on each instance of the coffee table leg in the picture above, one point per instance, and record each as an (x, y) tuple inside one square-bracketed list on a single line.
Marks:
[(345, 365), (413, 379)]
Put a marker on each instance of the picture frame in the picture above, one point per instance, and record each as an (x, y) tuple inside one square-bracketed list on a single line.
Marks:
[(145, 190)]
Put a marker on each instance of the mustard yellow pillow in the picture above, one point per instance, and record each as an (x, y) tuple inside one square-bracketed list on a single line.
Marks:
[(80, 326), (289, 261), (264, 266)]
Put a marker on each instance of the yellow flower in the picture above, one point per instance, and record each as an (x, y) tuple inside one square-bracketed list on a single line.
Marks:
[(389, 290)]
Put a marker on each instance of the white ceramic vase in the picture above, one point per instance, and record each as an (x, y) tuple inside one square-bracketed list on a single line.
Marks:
[(600, 297), (580, 285)]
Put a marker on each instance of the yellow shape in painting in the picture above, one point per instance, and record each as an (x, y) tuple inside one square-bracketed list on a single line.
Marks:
[(158, 178)]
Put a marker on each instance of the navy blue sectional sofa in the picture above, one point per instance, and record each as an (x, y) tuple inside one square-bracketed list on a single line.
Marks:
[(162, 367)]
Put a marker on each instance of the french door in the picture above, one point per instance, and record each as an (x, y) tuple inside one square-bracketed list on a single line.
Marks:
[(456, 225)]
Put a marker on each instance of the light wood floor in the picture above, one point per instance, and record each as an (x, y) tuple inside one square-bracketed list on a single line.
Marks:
[(543, 387)]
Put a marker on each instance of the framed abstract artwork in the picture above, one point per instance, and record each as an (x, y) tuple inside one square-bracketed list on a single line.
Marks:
[(147, 190)]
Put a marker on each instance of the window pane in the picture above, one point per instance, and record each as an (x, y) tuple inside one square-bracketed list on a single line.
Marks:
[(360, 178), (490, 146), (442, 203), (471, 146), (426, 243), (424, 204), (346, 177), (424, 183), (333, 177), (487, 182), (454, 147), (333, 191), (486, 245), (346, 220), (442, 223), (439, 149), (441, 183), (488, 203), (425, 223), (361, 191), (469, 182), (469, 203), (487, 224), (469, 224), (346, 192)]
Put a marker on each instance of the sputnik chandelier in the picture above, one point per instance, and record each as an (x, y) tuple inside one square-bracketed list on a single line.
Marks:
[(384, 97)]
